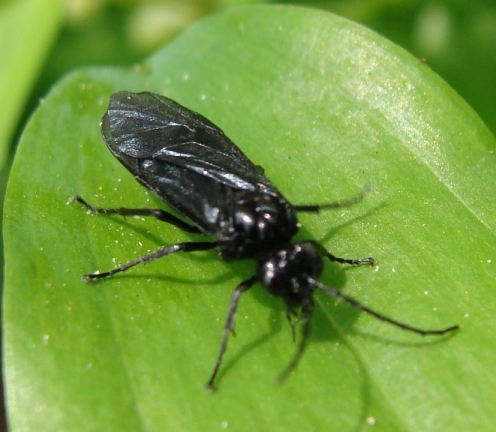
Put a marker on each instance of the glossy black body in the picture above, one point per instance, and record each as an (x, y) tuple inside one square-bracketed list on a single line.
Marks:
[(192, 166)]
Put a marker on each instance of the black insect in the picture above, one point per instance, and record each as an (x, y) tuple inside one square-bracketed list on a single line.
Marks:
[(198, 171)]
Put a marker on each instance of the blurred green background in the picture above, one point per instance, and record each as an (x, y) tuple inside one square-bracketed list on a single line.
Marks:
[(456, 38), (43, 40)]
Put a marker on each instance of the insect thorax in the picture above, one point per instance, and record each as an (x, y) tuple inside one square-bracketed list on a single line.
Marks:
[(260, 222)]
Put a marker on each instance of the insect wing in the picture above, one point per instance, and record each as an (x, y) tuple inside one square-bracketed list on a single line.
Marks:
[(204, 201), (150, 126)]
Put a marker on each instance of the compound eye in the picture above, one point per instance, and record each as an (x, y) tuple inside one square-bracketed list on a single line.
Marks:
[(274, 276)]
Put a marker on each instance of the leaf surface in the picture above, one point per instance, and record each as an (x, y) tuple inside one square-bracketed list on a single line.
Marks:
[(325, 106)]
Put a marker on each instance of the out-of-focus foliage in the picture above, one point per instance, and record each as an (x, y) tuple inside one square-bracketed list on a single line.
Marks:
[(457, 38), (27, 30)]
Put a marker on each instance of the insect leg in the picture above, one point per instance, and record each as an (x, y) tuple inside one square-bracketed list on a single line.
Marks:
[(324, 252), (357, 305), (229, 327), (306, 316), (290, 313), (181, 247), (161, 215), (315, 208)]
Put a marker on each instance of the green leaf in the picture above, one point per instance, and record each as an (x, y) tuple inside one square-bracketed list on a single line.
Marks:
[(27, 29), (325, 106)]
